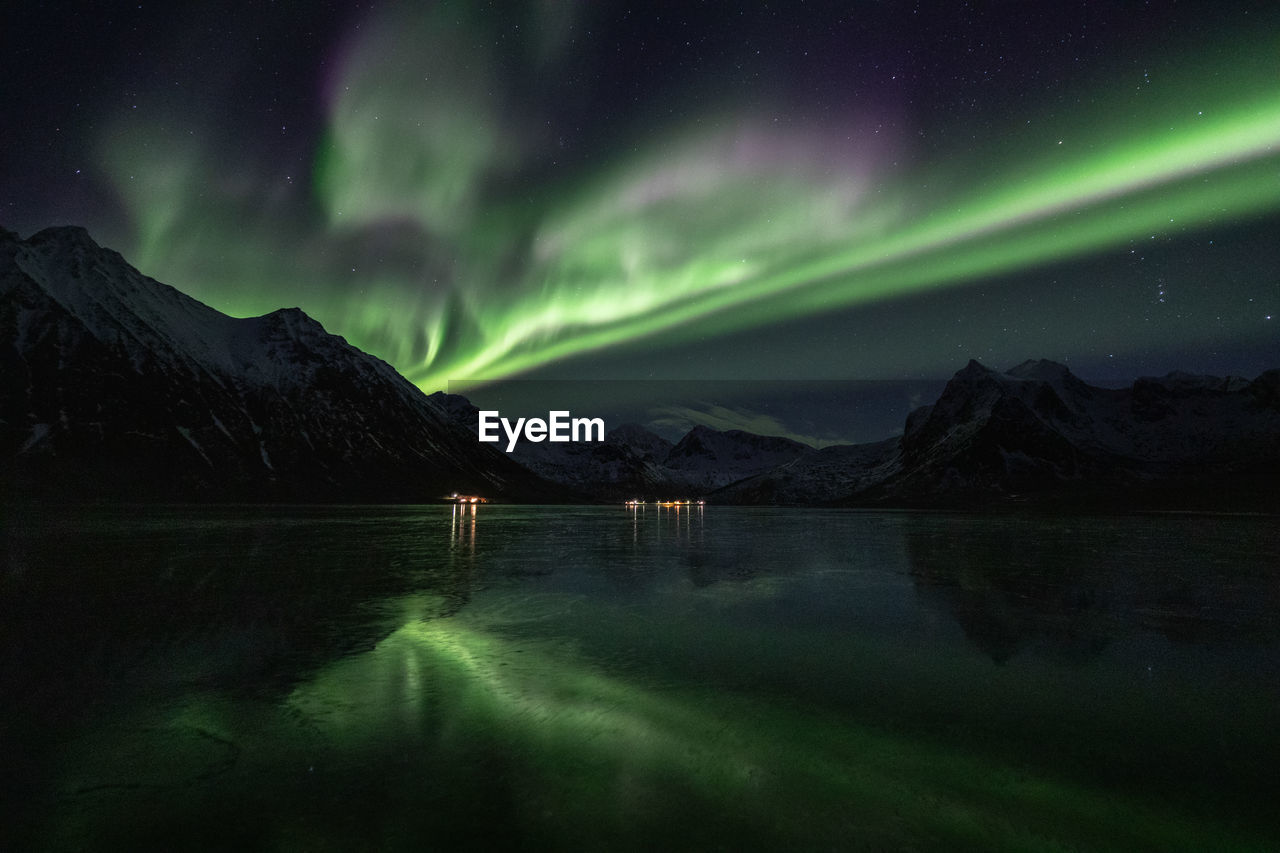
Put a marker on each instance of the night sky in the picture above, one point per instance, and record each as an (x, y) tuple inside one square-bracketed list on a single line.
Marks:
[(724, 190)]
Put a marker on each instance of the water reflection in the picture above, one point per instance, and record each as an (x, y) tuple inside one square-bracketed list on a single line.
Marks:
[(460, 733), (462, 527), (1070, 587), (685, 678), (684, 521)]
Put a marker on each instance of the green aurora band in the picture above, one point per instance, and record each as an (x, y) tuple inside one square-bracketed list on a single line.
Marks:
[(412, 251)]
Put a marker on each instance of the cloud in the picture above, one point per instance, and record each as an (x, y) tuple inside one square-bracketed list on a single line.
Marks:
[(684, 418)]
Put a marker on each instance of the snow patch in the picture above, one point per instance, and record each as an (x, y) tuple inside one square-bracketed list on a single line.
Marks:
[(38, 434), (218, 423), (186, 433)]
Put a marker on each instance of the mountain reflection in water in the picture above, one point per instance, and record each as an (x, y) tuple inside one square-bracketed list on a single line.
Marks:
[(471, 676)]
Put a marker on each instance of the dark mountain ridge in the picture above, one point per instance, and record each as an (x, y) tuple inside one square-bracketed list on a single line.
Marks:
[(117, 386), (633, 462), (1039, 434), (113, 385)]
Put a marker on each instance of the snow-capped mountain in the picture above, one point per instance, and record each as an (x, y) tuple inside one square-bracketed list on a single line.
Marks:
[(113, 384), (1038, 428), (820, 476), (635, 462), (706, 459), (1037, 432), (626, 464)]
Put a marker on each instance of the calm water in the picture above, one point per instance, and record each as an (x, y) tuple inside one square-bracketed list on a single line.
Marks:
[(415, 678)]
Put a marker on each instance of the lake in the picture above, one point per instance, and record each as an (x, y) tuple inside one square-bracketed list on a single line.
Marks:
[(508, 677)]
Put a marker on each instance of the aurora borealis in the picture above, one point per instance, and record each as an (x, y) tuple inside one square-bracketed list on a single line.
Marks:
[(477, 191)]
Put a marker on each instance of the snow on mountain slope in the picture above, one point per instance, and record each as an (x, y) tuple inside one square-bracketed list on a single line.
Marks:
[(628, 463), (818, 476), (160, 326), (1038, 428), (114, 382), (707, 459)]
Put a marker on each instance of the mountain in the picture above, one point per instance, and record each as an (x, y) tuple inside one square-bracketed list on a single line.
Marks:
[(626, 464), (1038, 434), (706, 459), (634, 462), (115, 385), (1035, 434), (1039, 430), (821, 476)]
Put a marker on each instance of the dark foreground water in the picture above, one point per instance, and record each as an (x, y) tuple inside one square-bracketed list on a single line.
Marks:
[(425, 678)]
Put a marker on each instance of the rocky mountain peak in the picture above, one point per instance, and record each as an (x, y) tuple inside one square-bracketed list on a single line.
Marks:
[(121, 385), (64, 235), (636, 439), (1040, 368), (974, 370)]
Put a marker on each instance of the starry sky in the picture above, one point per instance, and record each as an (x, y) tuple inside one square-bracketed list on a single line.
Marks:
[(764, 191)]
